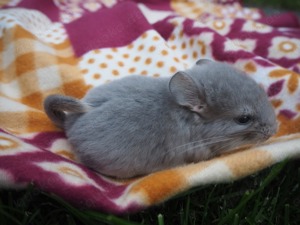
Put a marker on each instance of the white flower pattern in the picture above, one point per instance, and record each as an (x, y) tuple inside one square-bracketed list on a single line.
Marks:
[(284, 47)]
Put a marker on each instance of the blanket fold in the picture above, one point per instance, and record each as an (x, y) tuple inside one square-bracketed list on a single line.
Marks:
[(68, 47)]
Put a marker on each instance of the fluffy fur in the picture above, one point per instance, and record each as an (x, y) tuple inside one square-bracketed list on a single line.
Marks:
[(138, 125)]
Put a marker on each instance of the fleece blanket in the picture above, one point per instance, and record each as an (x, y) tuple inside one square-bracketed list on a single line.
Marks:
[(68, 47)]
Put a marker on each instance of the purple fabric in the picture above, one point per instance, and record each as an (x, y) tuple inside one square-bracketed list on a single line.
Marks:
[(164, 28), (115, 27), (45, 6), (281, 20)]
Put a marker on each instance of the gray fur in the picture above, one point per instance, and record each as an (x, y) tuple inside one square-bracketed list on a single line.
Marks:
[(56, 107), (138, 125)]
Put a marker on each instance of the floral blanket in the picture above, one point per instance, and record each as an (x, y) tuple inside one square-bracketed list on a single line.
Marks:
[(69, 46)]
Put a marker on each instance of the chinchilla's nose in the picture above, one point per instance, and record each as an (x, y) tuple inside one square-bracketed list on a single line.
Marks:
[(268, 130)]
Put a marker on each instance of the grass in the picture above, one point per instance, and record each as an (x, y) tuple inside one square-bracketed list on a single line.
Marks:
[(269, 197), (279, 4)]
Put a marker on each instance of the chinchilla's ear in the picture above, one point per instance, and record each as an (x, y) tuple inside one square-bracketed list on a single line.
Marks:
[(186, 92), (203, 61)]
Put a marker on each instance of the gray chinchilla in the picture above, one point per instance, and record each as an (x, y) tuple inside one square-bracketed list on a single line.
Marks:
[(138, 125)]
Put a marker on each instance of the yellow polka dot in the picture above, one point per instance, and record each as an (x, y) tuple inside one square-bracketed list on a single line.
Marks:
[(276, 103), (126, 56), (156, 75), (144, 72), (184, 56), (155, 38), (173, 47), (109, 56), (164, 52), (97, 51), (183, 45), (137, 58), (130, 46), (160, 64), (131, 70), (84, 71), (141, 47), (250, 67), (115, 73), (97, 76), (192, 42), (48, 35), (181, 34), (148, 61), (172, 37), (176, 59), (114, 49), (197, 11), (120, 63), (90, 61), (144, 35), (202, 46), (103, 65), (195, 55), (173, 69), (151, 49), (55, 30)]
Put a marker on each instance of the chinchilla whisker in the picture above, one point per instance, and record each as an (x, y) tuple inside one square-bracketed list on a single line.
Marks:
[(201, 141), (226, 145), (209, 143), (244, 132), (201, 144)]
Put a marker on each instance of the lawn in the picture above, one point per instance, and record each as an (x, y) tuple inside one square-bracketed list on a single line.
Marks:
[(269, 197), (278, 4)]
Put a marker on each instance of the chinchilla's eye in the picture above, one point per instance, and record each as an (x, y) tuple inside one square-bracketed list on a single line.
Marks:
[(243, 120)]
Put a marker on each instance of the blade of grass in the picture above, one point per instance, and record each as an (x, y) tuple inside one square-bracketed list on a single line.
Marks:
[(160, 219), (236, 219), (274, 204), (287, 214), (187, 211)]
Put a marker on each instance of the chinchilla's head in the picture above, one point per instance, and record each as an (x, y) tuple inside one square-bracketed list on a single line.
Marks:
[(233, 109)]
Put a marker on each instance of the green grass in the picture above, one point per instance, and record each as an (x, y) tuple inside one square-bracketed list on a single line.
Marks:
[(269, 197), (278, 4)]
